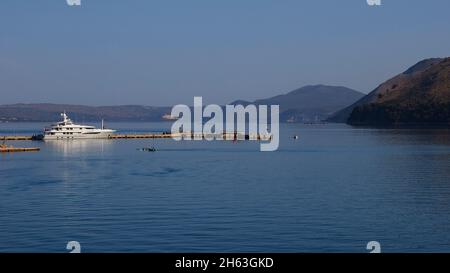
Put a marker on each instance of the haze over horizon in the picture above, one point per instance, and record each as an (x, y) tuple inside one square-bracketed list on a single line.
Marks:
[(163, 53)]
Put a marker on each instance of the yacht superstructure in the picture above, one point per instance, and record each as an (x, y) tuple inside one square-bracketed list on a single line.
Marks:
[(66, 129)]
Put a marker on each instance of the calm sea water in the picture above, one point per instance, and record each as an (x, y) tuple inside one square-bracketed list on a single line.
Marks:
[(333, 190)]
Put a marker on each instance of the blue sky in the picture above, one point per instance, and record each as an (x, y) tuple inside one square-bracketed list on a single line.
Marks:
[(164, 52)]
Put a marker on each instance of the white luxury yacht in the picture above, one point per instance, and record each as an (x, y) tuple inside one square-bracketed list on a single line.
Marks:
[(66, 129)]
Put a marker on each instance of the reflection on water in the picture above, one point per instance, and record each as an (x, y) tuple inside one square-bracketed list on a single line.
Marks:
[(413, 136), (77, 146)]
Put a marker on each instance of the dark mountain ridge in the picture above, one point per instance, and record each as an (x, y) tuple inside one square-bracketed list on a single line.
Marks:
[(420, 95)]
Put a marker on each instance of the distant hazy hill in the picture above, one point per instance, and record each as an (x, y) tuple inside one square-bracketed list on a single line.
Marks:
[(51, 112), (307, 104), (420, 95), (310, 103)]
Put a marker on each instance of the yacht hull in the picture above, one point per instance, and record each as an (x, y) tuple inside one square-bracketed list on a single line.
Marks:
[(78, 136)]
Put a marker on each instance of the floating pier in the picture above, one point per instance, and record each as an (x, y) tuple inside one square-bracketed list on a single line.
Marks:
[(131, 136), (14, 150), (14, 138), (11, 149), (186, 135)]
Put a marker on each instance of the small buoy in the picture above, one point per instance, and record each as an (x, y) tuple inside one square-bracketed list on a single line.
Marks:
[(148, 149)]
